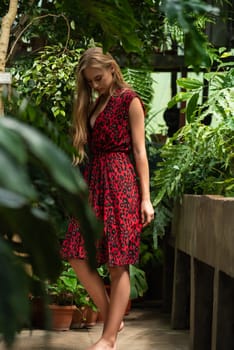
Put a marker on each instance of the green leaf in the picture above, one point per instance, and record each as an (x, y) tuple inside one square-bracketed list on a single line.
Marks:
[(181, 96), (10, 199), (14, 311), (191, 107), (189, 83), (73, 189), (13, 144), (118, 24), (41, 242), (138, 282), (14, 177), (141, 81), (54, 159)]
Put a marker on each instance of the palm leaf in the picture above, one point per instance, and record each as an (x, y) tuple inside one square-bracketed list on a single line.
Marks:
[(141, 81)]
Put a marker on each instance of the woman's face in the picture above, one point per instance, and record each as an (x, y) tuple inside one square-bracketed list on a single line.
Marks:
[(99, 79)]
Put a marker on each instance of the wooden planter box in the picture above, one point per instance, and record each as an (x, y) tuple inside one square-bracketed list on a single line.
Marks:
[(203, 286)]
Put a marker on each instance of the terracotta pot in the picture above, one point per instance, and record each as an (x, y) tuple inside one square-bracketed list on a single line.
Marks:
[(90, 317), (37, 313), (77, 318), (61, 317)]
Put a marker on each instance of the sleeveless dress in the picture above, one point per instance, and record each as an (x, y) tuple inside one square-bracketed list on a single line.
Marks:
[(113, 187)]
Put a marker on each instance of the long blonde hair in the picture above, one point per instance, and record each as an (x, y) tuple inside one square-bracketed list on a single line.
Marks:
[(84, 95)]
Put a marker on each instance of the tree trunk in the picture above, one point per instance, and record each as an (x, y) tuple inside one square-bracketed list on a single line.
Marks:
[(7, 22)]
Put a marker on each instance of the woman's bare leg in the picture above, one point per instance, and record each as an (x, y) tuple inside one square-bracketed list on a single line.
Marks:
[(93, 284), (120, 291)]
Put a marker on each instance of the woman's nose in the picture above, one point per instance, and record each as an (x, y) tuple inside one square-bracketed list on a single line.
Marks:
[(95, 85)]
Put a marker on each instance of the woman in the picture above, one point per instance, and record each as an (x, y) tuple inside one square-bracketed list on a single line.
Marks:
[(113, 128)]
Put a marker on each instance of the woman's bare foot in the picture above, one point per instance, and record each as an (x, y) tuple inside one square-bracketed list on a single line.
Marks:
[(102, 344)]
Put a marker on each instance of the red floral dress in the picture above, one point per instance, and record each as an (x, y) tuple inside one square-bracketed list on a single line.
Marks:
[(113, 187)]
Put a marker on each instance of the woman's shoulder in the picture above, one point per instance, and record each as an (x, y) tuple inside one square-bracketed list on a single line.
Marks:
[(124, 98), (130, 94), (126, 94)]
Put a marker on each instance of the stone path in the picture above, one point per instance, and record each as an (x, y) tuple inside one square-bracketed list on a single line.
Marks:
[(146, 328)]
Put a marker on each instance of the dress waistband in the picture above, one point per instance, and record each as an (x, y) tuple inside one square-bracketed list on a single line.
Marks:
[(109, 152)]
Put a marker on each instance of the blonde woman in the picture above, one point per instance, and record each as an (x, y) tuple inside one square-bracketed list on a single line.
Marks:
[(112, 127)]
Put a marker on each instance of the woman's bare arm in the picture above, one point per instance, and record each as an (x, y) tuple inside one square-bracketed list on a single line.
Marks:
[(137, 124)]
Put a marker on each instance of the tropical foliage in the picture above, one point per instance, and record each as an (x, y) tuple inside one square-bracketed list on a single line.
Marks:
[(48, 83), (199, 158), (186, 14), (139, 28)]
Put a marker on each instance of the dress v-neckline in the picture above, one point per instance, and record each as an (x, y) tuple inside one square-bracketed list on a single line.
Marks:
[(99, 114)]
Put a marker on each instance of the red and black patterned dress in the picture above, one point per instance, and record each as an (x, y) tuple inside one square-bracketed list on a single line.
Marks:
[(113, 186)]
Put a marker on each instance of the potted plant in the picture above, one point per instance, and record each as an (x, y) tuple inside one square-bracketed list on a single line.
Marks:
[(62, 294), (67, 295), (90, 312)]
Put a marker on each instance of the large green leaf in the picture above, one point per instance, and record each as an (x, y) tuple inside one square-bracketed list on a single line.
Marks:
[(10, 199), (14, 306), (181, 96), (138, 282), (14, 177), (141, 81), (20, 214), (56, 164), (13, 144), (191, 107), (189, 83), (54, 160), (35, 230)]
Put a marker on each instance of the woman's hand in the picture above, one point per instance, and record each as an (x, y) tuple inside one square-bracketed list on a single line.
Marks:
[(147, 212)]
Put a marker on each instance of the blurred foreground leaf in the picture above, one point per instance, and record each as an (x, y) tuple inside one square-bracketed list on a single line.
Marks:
[(37, 241)]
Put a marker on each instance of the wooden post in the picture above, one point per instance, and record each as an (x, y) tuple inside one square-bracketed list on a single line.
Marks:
[(215, 309), (201, 305), (224, 336), (181, 291), (168, 268)]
